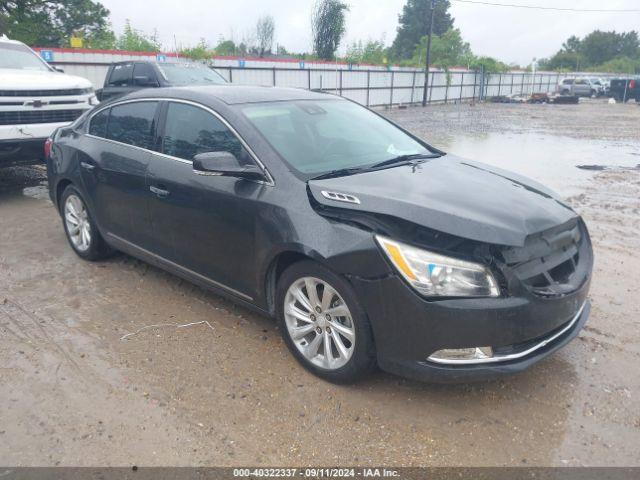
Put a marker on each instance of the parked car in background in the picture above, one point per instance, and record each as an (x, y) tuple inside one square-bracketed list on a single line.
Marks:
[(625, 89), (580, 87), (606, 85), (365, 243), (35, 99), (127, 77)]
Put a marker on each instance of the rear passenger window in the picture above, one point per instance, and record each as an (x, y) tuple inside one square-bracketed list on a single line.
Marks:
[(190, 130), (143, 74), (98, 125), (132, 123), (121, 75)]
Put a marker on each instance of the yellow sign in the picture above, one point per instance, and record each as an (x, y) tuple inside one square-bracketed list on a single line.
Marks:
[(76, 42)]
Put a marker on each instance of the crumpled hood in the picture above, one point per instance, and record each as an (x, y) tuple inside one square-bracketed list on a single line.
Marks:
[(14, 79), (455, 196)]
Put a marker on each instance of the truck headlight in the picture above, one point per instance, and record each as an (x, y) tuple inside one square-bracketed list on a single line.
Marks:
[(435, 275)]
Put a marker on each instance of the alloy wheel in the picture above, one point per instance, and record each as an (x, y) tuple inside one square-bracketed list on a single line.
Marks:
[(76, 219), (319, 323)]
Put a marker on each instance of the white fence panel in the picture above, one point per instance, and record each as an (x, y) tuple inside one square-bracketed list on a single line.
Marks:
[(369, 85)]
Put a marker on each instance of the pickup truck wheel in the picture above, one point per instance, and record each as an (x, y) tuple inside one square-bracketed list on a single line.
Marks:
[(82, 232), (323, 324), (564, 92)]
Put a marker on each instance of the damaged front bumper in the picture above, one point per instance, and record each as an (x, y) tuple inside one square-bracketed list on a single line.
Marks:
[(520, 330)]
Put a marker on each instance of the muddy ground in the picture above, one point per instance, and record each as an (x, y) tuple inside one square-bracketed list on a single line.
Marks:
[(229, 393)]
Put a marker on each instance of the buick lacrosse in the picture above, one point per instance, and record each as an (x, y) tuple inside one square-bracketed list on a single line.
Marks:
[(369, 247)]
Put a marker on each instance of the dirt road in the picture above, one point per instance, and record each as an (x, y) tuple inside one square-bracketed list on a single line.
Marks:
[(227, 392)]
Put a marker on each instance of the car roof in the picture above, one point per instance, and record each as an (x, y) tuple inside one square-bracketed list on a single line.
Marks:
[(233, 94)]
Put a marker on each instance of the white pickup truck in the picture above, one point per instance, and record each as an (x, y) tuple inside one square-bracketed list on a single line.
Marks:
[(35, 99)]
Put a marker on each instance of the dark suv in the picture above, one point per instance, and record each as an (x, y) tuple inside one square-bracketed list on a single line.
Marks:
[(126, 77), (625, 89)]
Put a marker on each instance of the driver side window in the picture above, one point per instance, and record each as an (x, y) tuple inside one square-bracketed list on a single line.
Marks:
[(190, 130)]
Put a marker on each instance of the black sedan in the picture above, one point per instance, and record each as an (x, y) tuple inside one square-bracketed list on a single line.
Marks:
[(368, 246)]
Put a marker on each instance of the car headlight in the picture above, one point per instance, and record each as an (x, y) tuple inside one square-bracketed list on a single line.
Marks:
[(436, 275)]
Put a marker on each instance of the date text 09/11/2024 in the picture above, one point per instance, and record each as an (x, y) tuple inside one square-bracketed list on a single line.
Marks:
[(316, 472)]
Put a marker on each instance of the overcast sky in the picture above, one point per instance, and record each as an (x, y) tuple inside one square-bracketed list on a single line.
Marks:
[(510, 34)]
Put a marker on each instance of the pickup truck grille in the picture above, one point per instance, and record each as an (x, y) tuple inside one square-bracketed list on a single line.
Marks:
[(44, 93), (554, 262), (39, 116)]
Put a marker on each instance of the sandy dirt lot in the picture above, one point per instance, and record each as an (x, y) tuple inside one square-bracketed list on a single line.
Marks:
[(228, 392)]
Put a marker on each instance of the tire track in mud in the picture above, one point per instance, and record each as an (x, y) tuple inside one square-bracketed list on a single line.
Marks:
[(27, 327)]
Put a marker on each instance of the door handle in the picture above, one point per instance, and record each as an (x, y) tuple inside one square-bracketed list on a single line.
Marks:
[(159, 192), (87, 166)]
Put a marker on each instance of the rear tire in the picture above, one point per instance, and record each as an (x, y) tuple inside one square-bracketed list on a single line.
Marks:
[(80, 228), (318, 312)]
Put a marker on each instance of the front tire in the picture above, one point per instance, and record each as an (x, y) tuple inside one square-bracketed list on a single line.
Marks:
[(80, 228), (323, 324)]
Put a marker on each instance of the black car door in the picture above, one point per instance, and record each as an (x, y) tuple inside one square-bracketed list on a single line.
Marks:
[(114, 165), (203, 223)]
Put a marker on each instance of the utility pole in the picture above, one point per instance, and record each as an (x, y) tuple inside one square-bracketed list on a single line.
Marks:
[(428, 59)]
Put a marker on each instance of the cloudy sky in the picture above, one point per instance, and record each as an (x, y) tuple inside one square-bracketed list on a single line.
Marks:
[(510, 34)]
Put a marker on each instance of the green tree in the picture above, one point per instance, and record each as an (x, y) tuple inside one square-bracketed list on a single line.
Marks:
[(490, 64), (597, 50), (599, 47), (619, 65), (136, 41), (105, 40), (447, 50), (572, 44), (372, 52), (282, 51), (226, 48), (328, 27), (562, 60), (414, 24), (201, 51), (53, 22)]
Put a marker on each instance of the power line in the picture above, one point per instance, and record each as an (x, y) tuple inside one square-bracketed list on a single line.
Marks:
[(557, 9)]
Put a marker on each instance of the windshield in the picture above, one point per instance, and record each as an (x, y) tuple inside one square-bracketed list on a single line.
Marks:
[(21, 58), (317, 137), (186, 74)]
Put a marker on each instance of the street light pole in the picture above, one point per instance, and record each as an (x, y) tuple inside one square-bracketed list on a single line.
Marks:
[(428, 59)]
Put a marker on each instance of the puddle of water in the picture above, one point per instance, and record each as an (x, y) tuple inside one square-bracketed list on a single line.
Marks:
[(549, 159)]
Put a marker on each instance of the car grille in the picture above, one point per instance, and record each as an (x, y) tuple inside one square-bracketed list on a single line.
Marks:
[(554, 262), (43, 93), (39, 116)]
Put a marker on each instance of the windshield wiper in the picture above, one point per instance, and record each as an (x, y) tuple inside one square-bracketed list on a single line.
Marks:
[(404, 159), (342, 172), (400, 160)]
